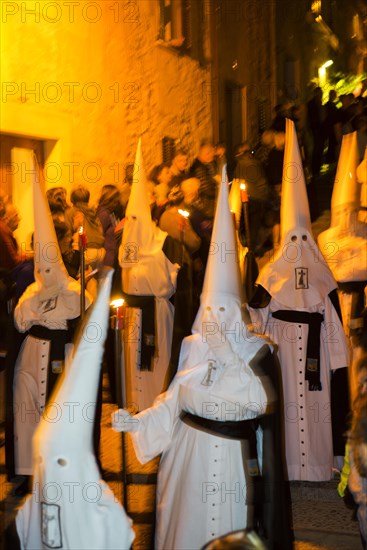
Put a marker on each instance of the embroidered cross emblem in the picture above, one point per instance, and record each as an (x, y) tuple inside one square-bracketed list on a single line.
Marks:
[(208, 380), (51, 526), (131, 253), (301, 277), (48, 305)]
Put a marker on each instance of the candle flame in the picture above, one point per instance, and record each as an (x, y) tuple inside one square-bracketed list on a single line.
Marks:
[(81, 230), (117, 303), (184, 213), (243, 187)]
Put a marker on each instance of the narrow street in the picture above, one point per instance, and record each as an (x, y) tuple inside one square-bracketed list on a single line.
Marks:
[(320, 519)]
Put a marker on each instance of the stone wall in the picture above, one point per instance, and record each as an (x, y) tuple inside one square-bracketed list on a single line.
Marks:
[(89, 78)]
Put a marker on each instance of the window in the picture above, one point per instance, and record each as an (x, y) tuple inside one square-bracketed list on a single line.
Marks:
[(181, 26)]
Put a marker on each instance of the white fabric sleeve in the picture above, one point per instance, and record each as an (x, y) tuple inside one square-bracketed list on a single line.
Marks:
[(156, 425)]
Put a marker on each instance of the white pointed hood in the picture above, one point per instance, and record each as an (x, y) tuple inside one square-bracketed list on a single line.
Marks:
[(49, 269), (222, 277), (294, 211), (145, 268), (71, 507), (344, 244), (346, 190), (55, 296), (298, 276), (222, 292), (81, 379)]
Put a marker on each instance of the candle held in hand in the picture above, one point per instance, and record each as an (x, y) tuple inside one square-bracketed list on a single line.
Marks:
[(244, 195), (82, 238)]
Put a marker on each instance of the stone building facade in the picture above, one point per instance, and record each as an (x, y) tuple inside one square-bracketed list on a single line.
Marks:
[(82, 80), (245, 69), (87, 79)]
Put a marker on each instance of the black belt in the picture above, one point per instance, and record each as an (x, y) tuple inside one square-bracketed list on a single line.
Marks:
[(313, 320), (147, 347), (243, 430), (58, 339)]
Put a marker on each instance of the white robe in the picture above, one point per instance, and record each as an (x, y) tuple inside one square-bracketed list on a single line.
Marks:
[(143, 386), (152, 275), (31, 368), (201, 491), (308, 432)]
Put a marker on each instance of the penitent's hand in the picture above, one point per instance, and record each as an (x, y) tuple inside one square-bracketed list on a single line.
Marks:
[(123, 421), (216, 339)]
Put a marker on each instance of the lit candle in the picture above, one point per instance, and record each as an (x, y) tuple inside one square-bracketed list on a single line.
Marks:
[(118, 305), (244, 195), (82, 238), (183, 213)]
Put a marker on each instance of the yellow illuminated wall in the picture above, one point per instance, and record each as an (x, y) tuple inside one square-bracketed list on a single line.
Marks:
[(89, 78)]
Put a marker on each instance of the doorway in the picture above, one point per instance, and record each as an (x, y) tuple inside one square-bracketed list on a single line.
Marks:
[(16, 153)]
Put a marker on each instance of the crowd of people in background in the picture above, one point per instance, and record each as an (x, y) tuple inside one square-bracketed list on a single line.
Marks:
[(320, 128), (180, 185)]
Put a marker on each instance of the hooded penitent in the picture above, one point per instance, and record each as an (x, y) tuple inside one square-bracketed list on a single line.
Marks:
[(216, 388), (148, 282), (344, 244), (296, 306), (70, 506), (222, 292), (43, 311), (55, 296), (146, 269), (220, 308), (298, 276)]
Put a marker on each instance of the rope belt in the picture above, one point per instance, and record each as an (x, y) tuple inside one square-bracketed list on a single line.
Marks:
[(313, 320)]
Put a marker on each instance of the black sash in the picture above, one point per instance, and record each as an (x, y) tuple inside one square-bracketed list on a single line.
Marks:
[(242, 429), (147, 347), (313, 320), (58, 339)]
